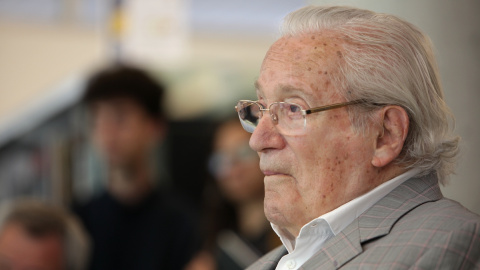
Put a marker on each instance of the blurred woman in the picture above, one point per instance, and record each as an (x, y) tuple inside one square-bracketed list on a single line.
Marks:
[(237, 232)]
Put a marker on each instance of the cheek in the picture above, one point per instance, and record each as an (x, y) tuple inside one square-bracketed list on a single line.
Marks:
[(326, 155), (137, 133)]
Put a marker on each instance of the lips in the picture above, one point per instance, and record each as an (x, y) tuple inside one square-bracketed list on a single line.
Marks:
[(271, 168), (270, 171)]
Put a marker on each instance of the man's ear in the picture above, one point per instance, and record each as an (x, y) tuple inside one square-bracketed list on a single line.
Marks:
[(391, 135)]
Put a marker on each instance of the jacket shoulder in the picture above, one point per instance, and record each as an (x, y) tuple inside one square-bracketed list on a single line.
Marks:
[(443, 213), (433, 235)]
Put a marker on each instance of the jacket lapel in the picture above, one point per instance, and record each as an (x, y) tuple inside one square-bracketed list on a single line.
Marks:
[(375, 222), (269, 261)]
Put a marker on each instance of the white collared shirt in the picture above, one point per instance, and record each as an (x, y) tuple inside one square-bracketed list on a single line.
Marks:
[(314, 234)]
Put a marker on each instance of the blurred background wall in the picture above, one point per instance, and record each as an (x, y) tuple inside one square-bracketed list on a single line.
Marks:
[(209, 51)]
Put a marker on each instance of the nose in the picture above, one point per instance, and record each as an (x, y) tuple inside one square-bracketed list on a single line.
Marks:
[(274, 117), (270, 113), (266, 136)]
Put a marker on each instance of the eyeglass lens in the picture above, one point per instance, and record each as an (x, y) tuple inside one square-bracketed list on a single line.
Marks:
[(249, 114), (288, 116)]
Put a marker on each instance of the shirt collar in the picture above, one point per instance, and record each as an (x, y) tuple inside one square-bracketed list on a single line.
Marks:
[(339, 218)]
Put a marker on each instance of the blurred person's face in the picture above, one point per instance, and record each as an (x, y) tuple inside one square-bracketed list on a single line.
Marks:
[(123, 132), (310, 174), (236, 164), (19, 250)]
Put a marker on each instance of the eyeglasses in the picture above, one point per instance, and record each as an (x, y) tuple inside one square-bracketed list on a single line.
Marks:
[(290, 118)]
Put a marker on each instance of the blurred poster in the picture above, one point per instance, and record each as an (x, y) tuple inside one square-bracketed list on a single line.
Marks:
[(153, 32)]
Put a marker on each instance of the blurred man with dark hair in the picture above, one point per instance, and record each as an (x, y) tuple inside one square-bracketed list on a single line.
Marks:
[(36, 235), (136, 223), (128, 125)]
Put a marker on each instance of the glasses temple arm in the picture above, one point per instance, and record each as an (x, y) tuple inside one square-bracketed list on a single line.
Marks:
[(334, 106)]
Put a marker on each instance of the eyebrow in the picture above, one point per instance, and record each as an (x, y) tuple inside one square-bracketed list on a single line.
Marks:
[(283, 89)]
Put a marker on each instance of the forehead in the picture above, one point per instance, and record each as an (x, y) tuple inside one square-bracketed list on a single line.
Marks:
[(119, 107), (22, 249), (302, 65), (116, 102)]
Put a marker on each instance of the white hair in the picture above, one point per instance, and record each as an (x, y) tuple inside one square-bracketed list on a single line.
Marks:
[(386, 60), (40, 217)]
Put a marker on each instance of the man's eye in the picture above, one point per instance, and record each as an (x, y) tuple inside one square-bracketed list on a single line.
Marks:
[(294, 108), (262, 105)]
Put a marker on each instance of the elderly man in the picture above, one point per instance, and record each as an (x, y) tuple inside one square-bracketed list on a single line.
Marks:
[(354, 143), (36, 235)]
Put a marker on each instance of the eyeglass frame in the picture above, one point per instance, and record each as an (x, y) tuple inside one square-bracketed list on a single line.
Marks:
[(304, 112)]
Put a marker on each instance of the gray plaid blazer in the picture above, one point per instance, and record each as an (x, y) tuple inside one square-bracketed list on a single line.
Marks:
[(413, 227)]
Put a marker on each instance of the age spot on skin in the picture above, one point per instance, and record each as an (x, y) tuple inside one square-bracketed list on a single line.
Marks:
[(313, 37), (309, 69), (325, 73), (338, 161), (339, 54)]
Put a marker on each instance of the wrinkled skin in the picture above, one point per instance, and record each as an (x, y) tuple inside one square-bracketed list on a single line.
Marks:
[(309, 175)]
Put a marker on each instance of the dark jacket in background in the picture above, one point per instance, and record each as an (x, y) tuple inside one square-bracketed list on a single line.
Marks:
[(155, 234)]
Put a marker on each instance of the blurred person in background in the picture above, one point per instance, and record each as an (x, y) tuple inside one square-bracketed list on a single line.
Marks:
[(136, 223), (237, 232), (36, 235)]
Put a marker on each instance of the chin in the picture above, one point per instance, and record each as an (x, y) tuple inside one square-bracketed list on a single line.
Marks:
[(274, 214)]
